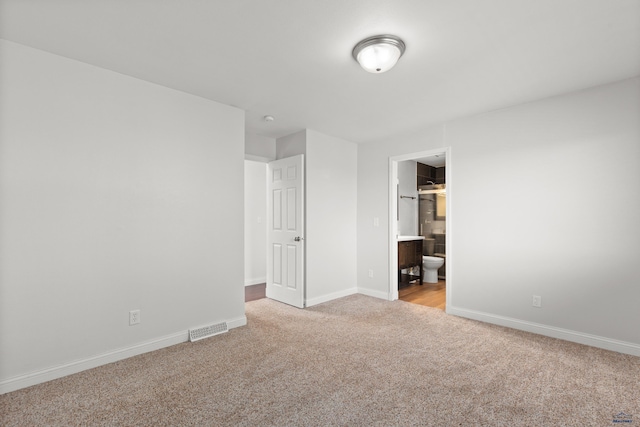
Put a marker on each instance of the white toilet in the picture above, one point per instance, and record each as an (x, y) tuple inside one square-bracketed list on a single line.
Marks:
[(430, 264)]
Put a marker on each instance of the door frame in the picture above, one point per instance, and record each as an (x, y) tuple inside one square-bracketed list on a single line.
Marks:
[(393, 220)]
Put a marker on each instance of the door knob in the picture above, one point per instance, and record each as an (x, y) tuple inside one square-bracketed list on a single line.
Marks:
[(298, 238)]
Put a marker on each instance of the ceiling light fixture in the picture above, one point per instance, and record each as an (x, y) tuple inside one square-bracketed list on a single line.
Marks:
[(378, 54)]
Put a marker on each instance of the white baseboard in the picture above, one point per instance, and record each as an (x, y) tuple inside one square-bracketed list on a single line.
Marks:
[(237, 322), (549, 331), (329, 297), (372, 293), (38, 377), (255, 281)]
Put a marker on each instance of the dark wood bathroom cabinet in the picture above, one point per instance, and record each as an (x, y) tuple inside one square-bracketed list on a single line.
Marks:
[(409, 255)]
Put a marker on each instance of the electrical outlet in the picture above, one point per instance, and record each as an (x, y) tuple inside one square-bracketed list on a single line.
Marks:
[(537, 301), (134, 317), (370, 273), (376, 221)]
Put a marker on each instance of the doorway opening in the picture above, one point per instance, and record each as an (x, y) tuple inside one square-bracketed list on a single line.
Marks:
[(255, 228), (420, 228), (273, 230)]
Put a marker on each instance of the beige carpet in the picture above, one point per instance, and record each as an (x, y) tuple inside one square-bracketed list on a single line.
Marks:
[(357, 361)]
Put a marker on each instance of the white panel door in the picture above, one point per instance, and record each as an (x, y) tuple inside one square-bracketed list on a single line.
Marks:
[(285, 232)]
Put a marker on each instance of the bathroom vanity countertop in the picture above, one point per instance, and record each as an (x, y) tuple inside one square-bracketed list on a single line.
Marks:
[(407, 238)]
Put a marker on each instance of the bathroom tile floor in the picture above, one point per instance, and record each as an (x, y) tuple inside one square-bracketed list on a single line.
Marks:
[(427, 294)]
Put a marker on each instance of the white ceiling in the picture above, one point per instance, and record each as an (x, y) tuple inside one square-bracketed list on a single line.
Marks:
[(292, 58)]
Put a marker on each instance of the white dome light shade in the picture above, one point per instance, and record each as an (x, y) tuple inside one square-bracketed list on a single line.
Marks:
[(378, 54)]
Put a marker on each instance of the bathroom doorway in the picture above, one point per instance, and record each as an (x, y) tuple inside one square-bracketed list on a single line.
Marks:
[(420, 183)]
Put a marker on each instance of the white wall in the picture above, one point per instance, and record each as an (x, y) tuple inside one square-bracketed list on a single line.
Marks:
[(291, 145), (255, 222), (530, 189), (330, 212), (373, 204), (331, 209), (259, 147), (116, 194), (407, 208)]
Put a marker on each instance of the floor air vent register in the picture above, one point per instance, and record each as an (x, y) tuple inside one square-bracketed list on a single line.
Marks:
[(207, 331)]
